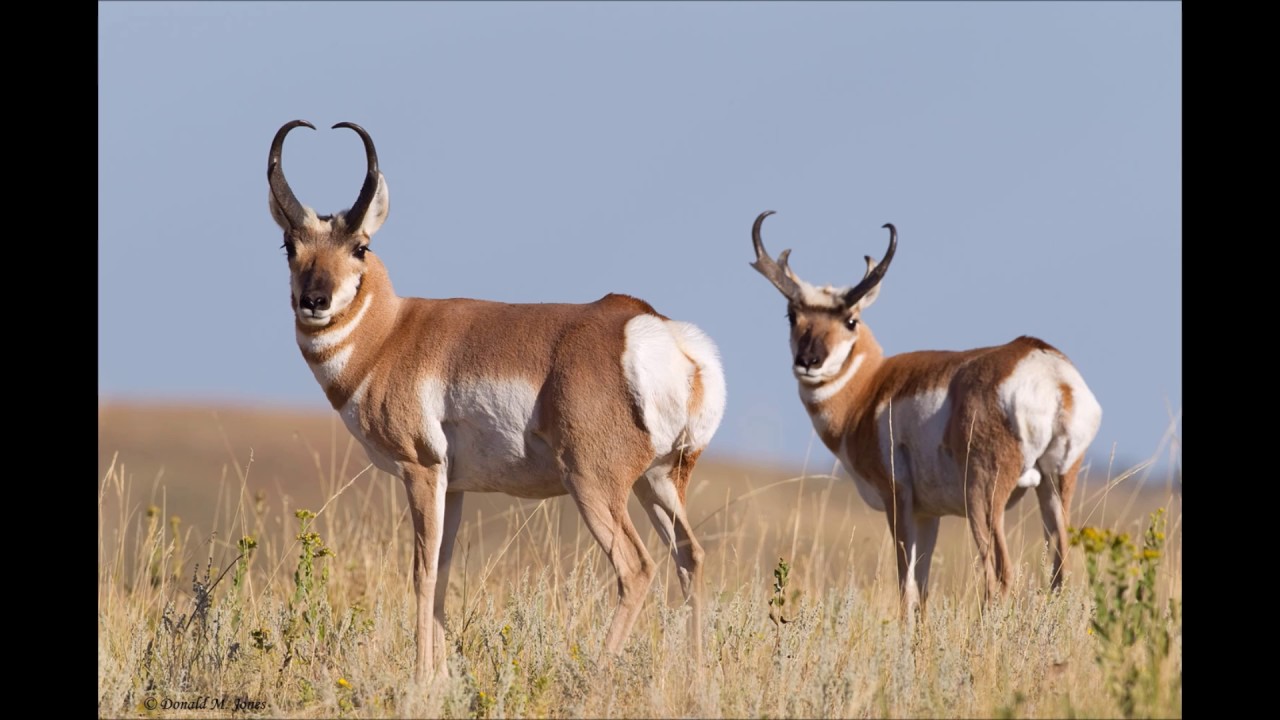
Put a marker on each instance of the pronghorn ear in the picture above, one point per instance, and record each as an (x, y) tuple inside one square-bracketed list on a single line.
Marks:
[(278, 215), (378, 208), (871, 295)]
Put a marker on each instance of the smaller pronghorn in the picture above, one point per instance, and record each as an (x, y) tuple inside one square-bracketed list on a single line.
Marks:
[(595, 400), (933, 433)]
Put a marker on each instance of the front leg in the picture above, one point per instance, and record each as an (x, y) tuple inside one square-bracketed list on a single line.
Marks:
[(452, 519), (926, 539), (425, 486), (902, 526)]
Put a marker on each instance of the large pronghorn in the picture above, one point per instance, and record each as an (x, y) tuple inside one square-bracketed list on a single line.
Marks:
[(934, 433), (594, 400)]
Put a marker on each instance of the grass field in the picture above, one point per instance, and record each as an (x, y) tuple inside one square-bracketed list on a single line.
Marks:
[(316, 621)]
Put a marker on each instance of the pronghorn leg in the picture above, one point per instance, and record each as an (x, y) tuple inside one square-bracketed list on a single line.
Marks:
[(425, 487), (902, 526), (926, 539), (1055, 499), (980, 525), (605, 512), (1014, 497), (452, 518), (1003, 563), (657, 492)]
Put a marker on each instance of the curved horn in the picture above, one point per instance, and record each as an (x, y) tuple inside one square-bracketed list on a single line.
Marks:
[(293, 210), (355, 216), (776, 272), (874, 277)]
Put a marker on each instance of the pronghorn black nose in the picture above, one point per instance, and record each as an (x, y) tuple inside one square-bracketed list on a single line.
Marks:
[(315, 301), (808, 360)]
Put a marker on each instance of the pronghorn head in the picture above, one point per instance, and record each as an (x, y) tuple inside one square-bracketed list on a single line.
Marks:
[(825, 321), (327, 253)]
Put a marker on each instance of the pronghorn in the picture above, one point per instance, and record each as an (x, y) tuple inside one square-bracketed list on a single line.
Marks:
[(934, 433), (532, 400)]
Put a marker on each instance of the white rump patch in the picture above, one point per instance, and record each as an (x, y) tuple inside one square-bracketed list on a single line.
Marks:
[(705, 419), (659, 373), (1032, 399), (659, 377)]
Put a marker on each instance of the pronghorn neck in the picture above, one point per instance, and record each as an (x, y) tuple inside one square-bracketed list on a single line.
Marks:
[(340, 352), (831, 405)]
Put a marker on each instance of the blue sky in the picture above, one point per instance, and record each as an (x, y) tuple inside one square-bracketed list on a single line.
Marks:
[(1030, 155)]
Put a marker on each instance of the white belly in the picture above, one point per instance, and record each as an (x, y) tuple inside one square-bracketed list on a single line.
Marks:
[(485, 429), (916, 427)]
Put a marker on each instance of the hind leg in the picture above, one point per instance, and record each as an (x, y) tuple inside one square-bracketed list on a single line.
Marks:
[(1055, 506), (1003, 563), (661, 492), (605, 513), (986, 501)]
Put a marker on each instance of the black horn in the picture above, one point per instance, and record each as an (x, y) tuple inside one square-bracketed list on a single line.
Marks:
[(355, 216), (775, 271), (874, 277), (293, 210)]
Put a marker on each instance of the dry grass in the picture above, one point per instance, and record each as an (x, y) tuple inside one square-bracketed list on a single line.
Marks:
[(531, 595)]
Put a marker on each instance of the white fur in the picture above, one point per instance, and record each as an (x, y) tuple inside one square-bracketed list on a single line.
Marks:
[(326, 340), (659, 376), (344, 295), (705, 420), (310, 217), (667, 506), (341, 298), (330, 370), (821, 297), (431, 397), (916, 426), (825, 392), (483, 429), (829, 296), (1085, 419), (1032, 400), (830, 366), (378, 208)]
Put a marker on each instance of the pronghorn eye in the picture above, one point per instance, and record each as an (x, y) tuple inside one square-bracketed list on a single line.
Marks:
[(360, 251), (791, 317), (851, 323), (288, 248)]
